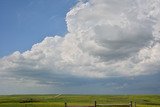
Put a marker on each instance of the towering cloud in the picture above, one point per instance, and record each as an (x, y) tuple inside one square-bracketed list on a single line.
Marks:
[(106, 38)]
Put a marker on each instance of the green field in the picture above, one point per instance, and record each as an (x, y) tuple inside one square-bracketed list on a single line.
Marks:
[(52, 101)]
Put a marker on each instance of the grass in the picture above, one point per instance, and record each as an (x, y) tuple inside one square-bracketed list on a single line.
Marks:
[(51, 101)]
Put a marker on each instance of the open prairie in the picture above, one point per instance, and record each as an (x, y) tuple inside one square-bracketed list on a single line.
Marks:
[(59, 100)]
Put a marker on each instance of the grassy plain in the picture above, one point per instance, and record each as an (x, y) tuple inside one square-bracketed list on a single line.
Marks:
[(52, 101)]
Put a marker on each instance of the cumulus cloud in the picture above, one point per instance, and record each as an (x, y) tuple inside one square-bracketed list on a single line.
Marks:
[(106, 38)]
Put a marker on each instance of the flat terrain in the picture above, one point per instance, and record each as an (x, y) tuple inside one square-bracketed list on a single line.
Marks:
[(58, 100)]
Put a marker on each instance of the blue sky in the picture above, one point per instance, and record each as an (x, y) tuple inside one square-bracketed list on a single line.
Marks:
[(79, 46), (26, 22)]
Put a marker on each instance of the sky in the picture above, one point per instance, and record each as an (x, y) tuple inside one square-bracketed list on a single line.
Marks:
[(26, 22), (80, 47)]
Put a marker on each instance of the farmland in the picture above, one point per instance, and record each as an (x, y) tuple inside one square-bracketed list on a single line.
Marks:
[(72, 99)]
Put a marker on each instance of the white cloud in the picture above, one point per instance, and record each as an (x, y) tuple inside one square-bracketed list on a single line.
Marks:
[(106, 38)]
